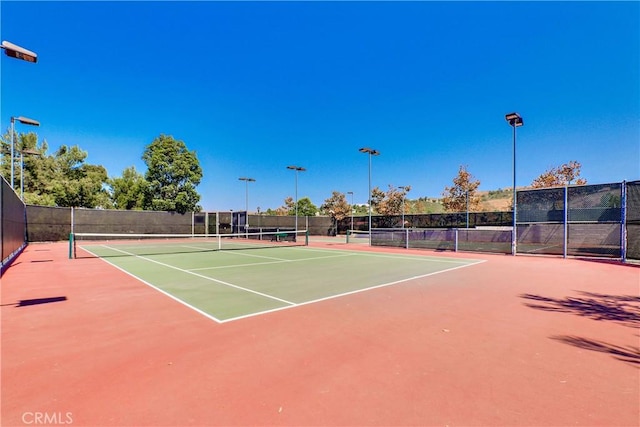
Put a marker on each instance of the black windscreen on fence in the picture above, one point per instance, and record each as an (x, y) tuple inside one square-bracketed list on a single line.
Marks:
[(595, 220), (12, 222), (633, 219), (115, 221), (583, 220)]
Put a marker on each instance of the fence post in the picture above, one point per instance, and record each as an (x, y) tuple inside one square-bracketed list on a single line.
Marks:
[(623, 222), (565, 220), (456, 239), (406, 238)]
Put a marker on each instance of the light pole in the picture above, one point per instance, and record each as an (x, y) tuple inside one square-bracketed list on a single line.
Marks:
[(514, 120), (23, 120), (296, 169), (404, 189), (246, 196), (371, 153), (351, 192)]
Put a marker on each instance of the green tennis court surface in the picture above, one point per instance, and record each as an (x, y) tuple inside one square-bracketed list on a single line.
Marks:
[(231, 284)]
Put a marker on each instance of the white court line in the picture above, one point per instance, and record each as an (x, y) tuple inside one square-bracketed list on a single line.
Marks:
[(541, 249), (351, 292), (201, 276), (283, 261), (239, 253), (426, 258)]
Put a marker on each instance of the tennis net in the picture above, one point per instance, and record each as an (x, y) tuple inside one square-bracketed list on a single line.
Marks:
[(128, 244)]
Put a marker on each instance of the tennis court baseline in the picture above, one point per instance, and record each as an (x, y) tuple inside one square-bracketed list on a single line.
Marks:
[(234, 284)]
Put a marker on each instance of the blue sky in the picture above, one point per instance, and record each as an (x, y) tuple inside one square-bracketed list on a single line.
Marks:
[(255, 86)]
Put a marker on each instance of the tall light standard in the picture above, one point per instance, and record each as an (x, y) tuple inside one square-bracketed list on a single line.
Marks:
[(246, 196), (296, 169), (514, 120), (25, 121), (351, 192), (371, 153), (405, 190)]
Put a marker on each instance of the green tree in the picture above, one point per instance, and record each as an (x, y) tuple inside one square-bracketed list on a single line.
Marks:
[(305, 208), (61, 179), (29, 173), (129, 190), (173, 173), (76, 183), (463, 191)]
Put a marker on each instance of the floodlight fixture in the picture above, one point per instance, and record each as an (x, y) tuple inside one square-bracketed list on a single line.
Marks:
[(514, 119), (15, 51), (369, 151)]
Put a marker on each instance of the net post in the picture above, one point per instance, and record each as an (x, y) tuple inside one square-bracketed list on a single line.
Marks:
[(406, 237), (306, 237), (348, 234), (71, 246)]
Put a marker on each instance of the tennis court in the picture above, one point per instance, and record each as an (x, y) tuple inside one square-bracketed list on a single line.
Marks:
[(248, 277)]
